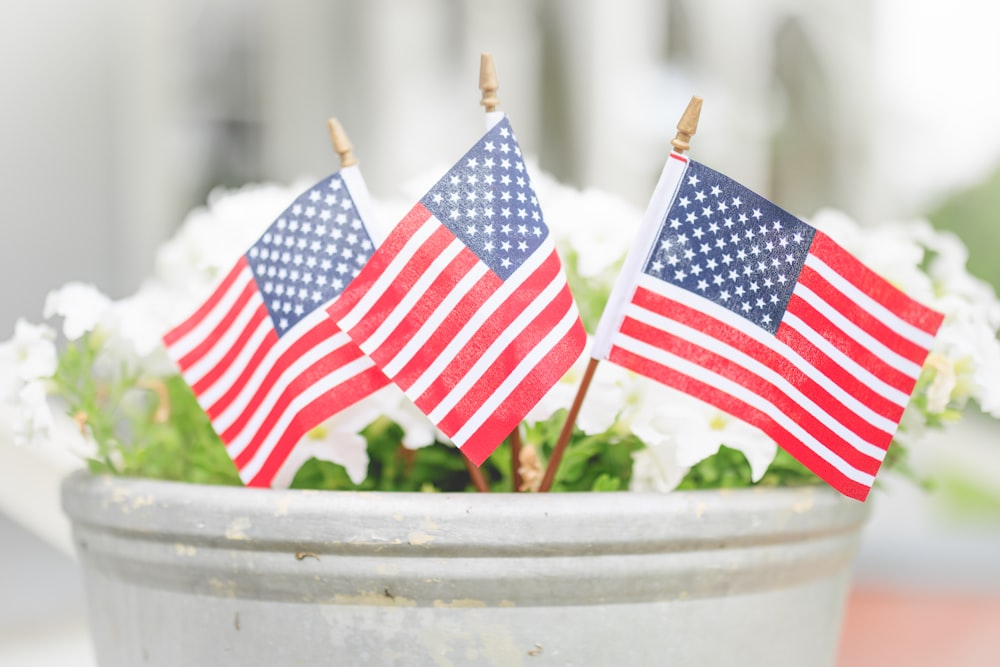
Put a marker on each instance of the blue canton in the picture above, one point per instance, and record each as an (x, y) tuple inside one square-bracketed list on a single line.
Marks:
[(487, 201), (310, 253), (731, 246)]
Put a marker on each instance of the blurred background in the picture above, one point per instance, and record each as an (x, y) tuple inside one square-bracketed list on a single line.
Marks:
[(119, 117)]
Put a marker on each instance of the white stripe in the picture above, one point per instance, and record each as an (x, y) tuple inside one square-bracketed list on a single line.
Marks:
[(388, 276), (413, 294), (891, 319), (497, 347), (766, 373), (326, 384), (444, 309), (897, 361), (475, 322), (223, 344), (863, 375), (203, 330), (516, 376), (724, 384)]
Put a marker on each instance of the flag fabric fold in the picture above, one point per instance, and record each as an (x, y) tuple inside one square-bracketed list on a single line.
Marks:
[(729, 298), (264, 360), (465, 306)]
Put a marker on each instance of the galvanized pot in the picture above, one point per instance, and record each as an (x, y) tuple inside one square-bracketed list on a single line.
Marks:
[(182, 574)]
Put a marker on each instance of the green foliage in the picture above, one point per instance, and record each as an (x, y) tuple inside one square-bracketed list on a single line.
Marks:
[(142, 428)]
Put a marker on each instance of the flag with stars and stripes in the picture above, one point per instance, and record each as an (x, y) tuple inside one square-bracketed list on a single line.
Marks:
[(262, 357), (465, 306), (729, 298)]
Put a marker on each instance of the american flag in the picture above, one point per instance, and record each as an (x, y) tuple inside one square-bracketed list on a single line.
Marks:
[(465, 306), (262, 357), (729, 298)]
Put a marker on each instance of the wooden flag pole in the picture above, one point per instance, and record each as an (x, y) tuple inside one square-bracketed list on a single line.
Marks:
[(687, 126), (488, 82), (567, 429), (341, 144), (478, 479), (681, 142)]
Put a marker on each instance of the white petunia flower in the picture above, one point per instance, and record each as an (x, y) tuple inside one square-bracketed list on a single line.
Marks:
[(33, 422), (34, 351), (656, 469), (601, 406), (81, 306)]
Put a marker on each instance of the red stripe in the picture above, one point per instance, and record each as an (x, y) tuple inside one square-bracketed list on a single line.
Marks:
[(850, 347), (700, 321), (754, 383), (869, 282), (227, 360), (448, 329), (442, 286), (221, 328), (748, 413), (395, 294), (208, 306), (527, 393), (518, 347), (865, 320), (340, 398), (377, 263), (492, 329)]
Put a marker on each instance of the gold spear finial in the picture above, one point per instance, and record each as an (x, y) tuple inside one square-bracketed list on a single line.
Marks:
[(341, 144), (488, 82), (687, 125)]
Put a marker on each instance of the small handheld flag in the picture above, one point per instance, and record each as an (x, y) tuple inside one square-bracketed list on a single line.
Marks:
[(465, 306), (729, 298), (263, 359)]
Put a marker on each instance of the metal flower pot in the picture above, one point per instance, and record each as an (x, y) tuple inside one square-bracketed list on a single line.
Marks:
[(182, 574)]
